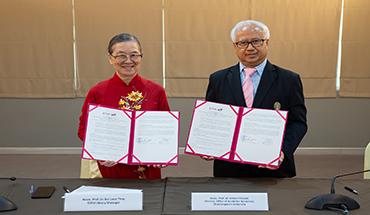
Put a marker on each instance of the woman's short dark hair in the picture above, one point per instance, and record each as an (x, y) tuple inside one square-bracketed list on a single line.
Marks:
[(123, 37)]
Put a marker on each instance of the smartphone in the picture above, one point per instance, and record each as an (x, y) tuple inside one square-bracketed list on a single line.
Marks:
[(43, 192)]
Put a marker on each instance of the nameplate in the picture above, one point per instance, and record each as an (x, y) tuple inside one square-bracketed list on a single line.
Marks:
[(229, 202), (104, 201)]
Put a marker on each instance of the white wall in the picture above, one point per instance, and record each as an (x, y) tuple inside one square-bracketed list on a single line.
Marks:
[(53, 122)]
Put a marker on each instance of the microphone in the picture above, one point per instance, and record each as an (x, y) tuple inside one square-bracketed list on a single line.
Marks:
[(333, 201), (5, 203)]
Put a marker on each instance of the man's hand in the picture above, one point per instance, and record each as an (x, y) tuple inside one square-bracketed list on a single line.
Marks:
[(207, 158), (272, 167)]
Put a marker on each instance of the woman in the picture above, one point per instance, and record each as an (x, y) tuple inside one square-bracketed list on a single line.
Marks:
[(125, 90)]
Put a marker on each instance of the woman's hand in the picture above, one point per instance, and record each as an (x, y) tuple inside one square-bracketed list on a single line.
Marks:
[(107, 163), (158, 165)]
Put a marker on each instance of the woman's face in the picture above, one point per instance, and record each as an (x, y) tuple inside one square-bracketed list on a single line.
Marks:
[(126, 59)]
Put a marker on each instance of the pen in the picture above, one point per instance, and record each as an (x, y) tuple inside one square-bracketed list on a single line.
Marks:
[(351, 190), (66, 189)]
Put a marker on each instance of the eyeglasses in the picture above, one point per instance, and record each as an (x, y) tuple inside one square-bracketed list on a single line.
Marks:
[(123, 58), (255, 43)]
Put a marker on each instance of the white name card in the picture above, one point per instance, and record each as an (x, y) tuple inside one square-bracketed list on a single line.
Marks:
[(103, 201), (229, 202)]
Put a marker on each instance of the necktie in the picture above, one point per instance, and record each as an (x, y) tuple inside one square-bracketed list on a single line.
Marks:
[(248, 86)]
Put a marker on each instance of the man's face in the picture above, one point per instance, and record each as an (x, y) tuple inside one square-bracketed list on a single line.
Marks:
[(126, 58), (248, 54)]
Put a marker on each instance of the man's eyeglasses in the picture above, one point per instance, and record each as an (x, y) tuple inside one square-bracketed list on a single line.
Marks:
[(123, 57), (255, 43)]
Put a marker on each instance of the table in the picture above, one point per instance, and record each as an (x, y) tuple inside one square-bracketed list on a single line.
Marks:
[(18, 192), (171, 196), (286, 196)]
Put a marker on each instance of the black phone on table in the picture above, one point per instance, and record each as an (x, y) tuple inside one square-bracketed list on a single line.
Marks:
[(43, 192)]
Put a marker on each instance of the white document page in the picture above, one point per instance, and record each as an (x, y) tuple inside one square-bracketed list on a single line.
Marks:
[(156, 137), (260, 136), (107, 134), (212, 129)]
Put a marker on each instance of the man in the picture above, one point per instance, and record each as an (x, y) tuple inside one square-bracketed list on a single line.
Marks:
[(255, 82)]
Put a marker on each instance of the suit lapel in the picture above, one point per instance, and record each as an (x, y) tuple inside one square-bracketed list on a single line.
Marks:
[(268, 77), (233, 78)]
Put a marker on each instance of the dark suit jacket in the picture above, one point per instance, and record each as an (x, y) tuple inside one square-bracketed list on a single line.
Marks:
[(276, 85)]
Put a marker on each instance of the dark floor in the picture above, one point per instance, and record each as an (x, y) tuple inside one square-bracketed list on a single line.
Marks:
[(68, 166)]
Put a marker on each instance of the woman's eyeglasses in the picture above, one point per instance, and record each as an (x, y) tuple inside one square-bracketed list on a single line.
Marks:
[(124, 57)]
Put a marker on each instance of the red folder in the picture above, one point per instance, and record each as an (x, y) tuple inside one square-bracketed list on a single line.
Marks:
[(130, 157), (241, 115)]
